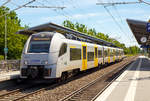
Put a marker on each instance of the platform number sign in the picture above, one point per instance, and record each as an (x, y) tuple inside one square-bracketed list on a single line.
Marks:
[(148, 27), (5, 50)]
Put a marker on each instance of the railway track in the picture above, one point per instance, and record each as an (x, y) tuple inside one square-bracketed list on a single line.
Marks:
[(33, 93), (19, 94), (90, 91)]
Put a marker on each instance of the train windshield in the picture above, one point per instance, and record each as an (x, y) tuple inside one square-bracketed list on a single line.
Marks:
[(39, 44)]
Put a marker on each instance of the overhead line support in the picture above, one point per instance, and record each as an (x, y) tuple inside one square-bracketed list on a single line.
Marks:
[(117, 3), (45, 7), (19, 7)]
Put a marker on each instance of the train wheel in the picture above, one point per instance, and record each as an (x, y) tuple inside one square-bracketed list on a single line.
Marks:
[(99, 65), (63, 77)]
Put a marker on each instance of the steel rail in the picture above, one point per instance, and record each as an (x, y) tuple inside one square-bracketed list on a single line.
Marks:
[(70, 96)]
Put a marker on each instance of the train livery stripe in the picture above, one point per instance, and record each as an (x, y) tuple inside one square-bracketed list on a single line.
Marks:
[(84, 56), (95, 56), (72, 46)]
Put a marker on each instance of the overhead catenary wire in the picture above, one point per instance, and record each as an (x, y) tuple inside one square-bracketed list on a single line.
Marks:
[(122, 3), (76, 5), (19, 7), (144, 2), (63, 12), (130, 37), (114, 19), (68, 12), (118, 3), (106, 4), (115, 8), (45, 7), (5, 3)]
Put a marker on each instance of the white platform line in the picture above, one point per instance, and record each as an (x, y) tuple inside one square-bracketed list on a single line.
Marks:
[(132, 88), (108, 91)]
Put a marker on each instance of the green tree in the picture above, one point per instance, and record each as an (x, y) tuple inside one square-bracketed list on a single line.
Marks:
[(92, 32), (15, 42)]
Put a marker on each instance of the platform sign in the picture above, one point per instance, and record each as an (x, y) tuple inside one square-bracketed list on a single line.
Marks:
[(145, 46), (5, 50), (148, 27)]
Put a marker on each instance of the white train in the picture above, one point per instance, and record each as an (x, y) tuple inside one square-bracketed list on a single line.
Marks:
[(49, 55)]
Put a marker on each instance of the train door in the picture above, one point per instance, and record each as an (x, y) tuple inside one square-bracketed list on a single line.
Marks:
[(103, 55), (114, 56), (108, 55), (84, 56), (119, 56), (95, 56)]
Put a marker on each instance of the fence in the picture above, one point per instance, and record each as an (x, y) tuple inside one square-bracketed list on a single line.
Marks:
[(9, 65)]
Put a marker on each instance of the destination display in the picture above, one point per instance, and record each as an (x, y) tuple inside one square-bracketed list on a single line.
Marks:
[(41, 39)]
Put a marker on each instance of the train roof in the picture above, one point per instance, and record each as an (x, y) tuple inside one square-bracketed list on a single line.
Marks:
[(63, 30)]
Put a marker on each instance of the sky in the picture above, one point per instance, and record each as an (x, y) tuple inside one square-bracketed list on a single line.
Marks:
[(109, 20)]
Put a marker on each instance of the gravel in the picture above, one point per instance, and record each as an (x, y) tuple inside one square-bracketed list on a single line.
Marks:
[(65, 89)]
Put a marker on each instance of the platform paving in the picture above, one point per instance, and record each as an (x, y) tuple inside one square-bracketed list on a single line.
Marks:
[(9, 75), (132, 85)]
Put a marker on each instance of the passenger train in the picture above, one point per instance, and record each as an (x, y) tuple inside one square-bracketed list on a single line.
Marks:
[(50, 55)]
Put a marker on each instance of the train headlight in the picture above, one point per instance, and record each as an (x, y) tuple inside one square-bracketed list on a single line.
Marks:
[(45, 62), (25, 62)]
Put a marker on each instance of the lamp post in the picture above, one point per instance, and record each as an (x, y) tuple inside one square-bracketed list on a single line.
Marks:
[(5, 49)]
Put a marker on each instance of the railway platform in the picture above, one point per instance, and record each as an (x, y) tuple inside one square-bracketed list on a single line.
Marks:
[(132, 85), (4, 76)]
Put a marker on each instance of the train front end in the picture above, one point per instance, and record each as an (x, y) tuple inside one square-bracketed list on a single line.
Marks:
[(37, 62)]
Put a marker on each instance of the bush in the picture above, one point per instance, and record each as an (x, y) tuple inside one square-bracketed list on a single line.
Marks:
[(1, 57)]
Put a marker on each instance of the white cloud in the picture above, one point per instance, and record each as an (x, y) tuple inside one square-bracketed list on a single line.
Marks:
[(75, 17), (87, 15)]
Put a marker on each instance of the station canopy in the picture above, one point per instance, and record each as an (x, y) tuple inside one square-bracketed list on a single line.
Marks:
[(139, 30), (63, 30)]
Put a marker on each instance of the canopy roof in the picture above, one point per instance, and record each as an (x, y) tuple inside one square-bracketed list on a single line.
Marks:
[(139, 30), (54, 27)]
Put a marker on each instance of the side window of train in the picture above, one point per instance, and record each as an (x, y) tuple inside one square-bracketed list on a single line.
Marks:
[(99, 53), (90, 56), (84, 52), (108, 54), (75, 54), (117, 53), (105, 53), (112, 52), (63, 49), (95, 52)]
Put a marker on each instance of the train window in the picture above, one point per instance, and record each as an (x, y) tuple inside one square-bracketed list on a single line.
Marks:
[(90, 56), (116, 52), (84, 52), (75, 54), (39, 43), (119, 53), (95, 52), (105, 53), (108, 54), (39, 46), (99, 53), (63, 49), (111, 52)]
